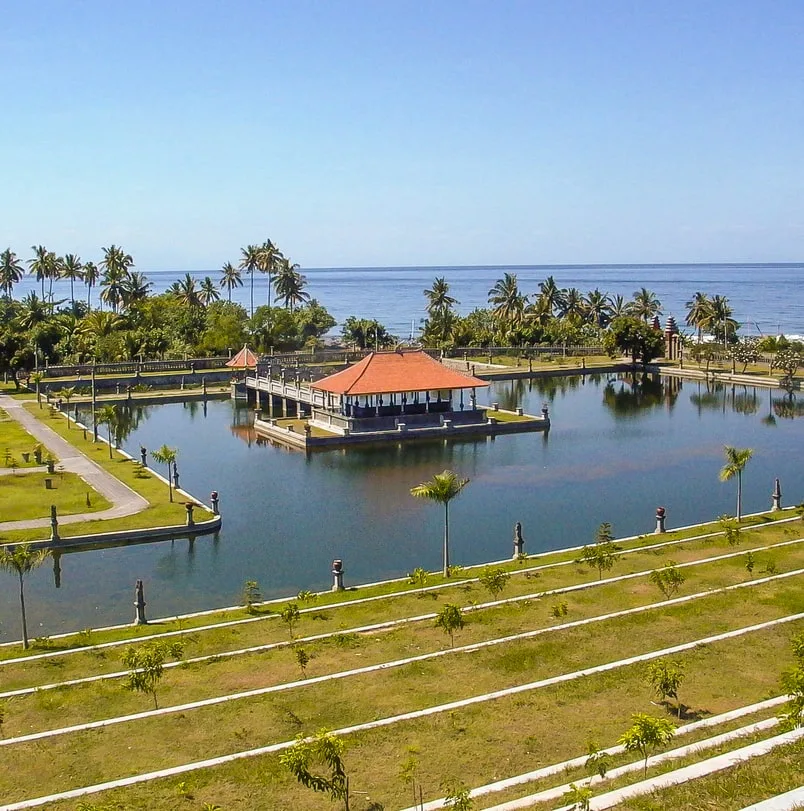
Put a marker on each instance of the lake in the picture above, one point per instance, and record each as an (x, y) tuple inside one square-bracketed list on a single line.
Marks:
[(618, 448)]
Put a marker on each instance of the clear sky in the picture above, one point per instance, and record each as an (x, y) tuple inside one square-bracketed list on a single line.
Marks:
[(404, 132)]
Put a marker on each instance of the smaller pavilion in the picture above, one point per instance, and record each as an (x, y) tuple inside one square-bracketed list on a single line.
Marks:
[(244, 359), (403, 389)]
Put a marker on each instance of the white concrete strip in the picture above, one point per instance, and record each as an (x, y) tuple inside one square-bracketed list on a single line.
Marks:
[(264, 750), (509, 600), (381, 626), (781, 802), (558, 792), (278, 688), (557, 768), (538, 555)]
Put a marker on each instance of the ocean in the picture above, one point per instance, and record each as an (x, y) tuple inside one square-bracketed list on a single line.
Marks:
[(767, 299)]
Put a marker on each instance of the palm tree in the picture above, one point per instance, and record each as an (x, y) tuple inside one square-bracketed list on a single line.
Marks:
[(39, 266), (11, 272), (135, 288), (166, 456), (55, 270), (736, 460), (443, 487), (597, 309), (509, 303), (108, 416), (719, 320), (269, 260), (699, 307), (250, 262), (208, 292), (33, 311), (22, 560), (289, 284), (186, 292), (230, 278), (439, 301), (91, 276), (98, 324), (116, 266), (573, 304), (645, 304), (620, 307), (72, 269), (552, 295)]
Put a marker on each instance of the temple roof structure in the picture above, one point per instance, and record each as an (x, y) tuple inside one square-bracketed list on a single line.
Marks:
[(396, 372), (244, 359)]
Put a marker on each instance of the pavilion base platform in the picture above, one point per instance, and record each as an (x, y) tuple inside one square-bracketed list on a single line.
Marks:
[(334, 431)]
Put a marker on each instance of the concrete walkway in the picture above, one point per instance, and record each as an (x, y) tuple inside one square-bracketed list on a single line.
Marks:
[(125, 500)]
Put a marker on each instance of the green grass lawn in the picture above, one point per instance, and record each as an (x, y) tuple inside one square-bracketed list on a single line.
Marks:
[(24, 495), (14, 442)]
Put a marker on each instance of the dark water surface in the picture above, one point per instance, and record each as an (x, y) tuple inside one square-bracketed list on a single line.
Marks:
[(617, 450)]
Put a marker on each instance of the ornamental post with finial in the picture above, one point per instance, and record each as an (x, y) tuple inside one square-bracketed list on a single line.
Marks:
[(776, 495), (660, 517), (213, 497), (337, 575), (519, 541), (139, 604)]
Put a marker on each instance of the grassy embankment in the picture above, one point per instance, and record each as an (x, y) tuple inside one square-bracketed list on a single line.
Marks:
[(479, 743), (160, 511)]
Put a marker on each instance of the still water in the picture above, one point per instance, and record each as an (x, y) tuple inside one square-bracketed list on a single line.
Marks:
[(618, 448)]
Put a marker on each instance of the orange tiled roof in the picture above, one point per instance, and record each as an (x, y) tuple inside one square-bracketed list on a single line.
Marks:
[(396, 372), (244, 359)]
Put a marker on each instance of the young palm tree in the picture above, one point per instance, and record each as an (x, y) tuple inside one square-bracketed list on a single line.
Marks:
[(135, 288), (289, 285), (597, 309), (736, 460), (443, 487), (645, 304), (33, 311), (509, 303), (72, 269), (439, 301), (11, 272), (91, 276), (620, 307), (720, 321), (22, 560), (250, 262), (208, 292), (108, 416), (186, 292), (230, 278), (166, 456), (698, 310), (573, 304)]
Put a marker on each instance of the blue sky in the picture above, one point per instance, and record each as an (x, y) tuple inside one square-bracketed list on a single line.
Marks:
[(394, 132)]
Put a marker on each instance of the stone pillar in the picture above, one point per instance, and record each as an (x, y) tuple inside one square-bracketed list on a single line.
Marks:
[(213, 497), (204, 386), (337, 575), (175, 476), (54, 523), (776, 495), (139, 604), (519, 542), (660, 517), (545, 413), (143, 456), (189, 506)]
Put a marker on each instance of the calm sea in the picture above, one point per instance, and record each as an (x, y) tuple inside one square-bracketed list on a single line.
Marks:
[(766, 298)]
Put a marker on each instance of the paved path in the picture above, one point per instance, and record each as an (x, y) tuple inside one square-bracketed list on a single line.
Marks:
[(125, 500)]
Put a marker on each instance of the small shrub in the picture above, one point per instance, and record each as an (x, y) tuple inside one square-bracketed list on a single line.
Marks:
[(494, 580), (84, 637), (418, 577), (251, 595), (559, 610)]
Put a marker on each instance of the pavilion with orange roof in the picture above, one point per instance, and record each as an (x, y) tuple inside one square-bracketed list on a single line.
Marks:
[(399, 389)]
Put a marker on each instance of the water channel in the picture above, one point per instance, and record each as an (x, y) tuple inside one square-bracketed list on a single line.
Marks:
[(618, 448)]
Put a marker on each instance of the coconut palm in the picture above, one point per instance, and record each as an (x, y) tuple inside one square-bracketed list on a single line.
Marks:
[(597, 309), (439, 301), (208, 292), (269, 261), (552, 295), (166, 456), (186, 292), (250, 262), (109, 417), (40, 265), (289, 285), (98, 324), (620, 307), (91, 276), (11, 272), (645, 305), (72, 269), (736, 460), (22, 560), (699, 308), (230, 278), (116, 266), (135, 288), (33, 311), (573, 304), (443, 487), (719, 319), (509, 303)]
